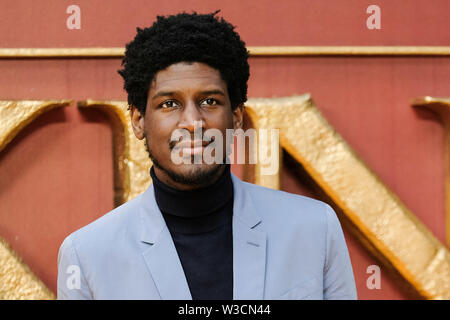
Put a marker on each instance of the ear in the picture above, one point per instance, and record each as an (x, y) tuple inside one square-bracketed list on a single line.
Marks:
[(137, 122), (238, 116)]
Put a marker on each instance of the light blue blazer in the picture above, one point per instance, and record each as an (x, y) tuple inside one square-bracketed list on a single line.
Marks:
[(285, 246)]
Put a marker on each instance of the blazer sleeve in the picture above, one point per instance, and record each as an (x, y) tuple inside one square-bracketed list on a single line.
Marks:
[(71, 284), (339, 282)]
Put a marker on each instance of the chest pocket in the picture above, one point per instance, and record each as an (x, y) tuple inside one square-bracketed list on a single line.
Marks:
[(307, 290)]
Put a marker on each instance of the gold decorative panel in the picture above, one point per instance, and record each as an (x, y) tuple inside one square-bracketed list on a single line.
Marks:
[(383, 222), (16, 279), (441, 106), (15, 115), (131, 161), (385, 225)]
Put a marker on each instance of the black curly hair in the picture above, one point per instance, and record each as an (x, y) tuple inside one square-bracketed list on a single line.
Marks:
[(185, 38)]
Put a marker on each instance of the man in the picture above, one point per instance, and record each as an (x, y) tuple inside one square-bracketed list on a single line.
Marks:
[(199, 232)]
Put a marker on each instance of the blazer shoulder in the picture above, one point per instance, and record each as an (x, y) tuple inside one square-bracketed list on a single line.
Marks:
[(276, 204), (109, 227), (267, 195)]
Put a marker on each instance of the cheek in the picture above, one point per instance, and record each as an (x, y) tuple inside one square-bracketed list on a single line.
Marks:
[(158, 127), (157, 137), (222, 121)]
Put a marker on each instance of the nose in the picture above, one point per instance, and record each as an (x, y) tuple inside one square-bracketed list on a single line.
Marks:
[(191, 118)]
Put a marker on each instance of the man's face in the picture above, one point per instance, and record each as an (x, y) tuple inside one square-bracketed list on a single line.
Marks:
[(181, 96)]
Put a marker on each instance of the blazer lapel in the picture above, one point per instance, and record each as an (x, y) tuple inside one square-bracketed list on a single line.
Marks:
[(160, 253), (249, 247)]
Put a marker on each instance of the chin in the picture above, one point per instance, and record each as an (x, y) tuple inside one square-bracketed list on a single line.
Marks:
[(197, 169), (194, 174)]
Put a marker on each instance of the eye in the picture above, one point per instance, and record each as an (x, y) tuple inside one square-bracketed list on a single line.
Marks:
[(169, 104), (209, 102)]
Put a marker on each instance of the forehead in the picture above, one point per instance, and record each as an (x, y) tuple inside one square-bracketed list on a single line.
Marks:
[(187, 75)]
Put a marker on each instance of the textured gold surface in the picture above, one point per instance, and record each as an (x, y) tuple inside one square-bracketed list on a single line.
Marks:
[(270, 181), (380, 217), (384, 222), (16, 280), (118, 52), (15, 115), (257, 177), (132, 163), (441, 106)]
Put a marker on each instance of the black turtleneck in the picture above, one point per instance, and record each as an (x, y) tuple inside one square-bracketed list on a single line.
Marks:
[(200, 222)]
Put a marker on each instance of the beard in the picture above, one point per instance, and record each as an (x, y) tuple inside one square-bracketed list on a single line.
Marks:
[(197, 175)]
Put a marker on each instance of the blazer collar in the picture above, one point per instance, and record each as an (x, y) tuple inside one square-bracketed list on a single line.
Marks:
[(159, 251), (249, 248), (243, 206), (152, 222)]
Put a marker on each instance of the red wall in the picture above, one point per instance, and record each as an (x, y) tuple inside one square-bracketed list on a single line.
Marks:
[(56, 175)]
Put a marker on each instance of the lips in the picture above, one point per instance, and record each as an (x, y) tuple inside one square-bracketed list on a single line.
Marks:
[(192, 144), (192, 147)]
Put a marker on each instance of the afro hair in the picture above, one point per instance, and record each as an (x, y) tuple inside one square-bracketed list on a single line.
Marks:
[(185, 37)]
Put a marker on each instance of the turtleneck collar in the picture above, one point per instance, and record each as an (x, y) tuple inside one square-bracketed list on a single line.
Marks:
[(193, 203)]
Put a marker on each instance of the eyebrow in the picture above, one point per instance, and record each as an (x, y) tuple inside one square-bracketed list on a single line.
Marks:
[(163, 94), (172, 93), (208, 92)]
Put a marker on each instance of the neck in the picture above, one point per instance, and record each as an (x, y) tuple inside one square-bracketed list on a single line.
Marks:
[(193, 202)]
